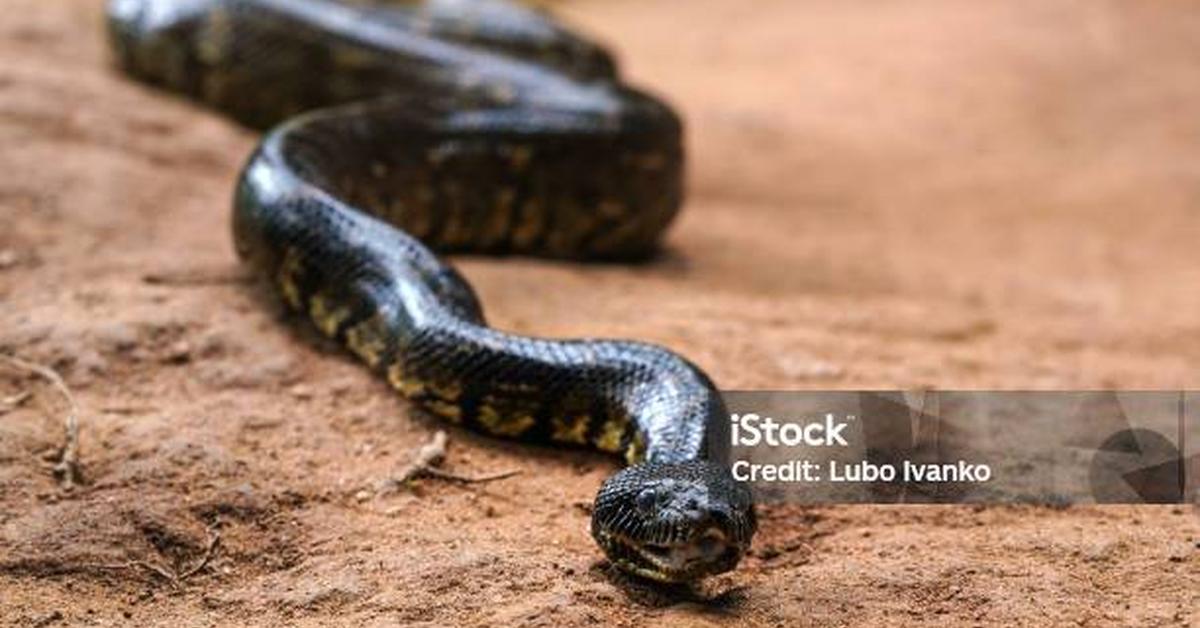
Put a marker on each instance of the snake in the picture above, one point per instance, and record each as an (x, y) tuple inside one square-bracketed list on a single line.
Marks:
[(397, 132)]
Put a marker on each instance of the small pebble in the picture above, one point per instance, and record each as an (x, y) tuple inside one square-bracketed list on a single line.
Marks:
[(212, 342), (90, 362), (341, 386), (116, 336), (278, 367), (179, 353)]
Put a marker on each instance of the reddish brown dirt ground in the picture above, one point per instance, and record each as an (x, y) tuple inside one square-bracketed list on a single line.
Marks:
[(906, 194)]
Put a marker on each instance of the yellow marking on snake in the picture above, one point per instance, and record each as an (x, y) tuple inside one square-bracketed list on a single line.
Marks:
[(448, 391), (368, 339), (211, 48), (288, 270), (446, 410), (350, 57), (501, 425), (514, 388), (571, 429), (609, 438), (519, 157), (636, 453), (326, 316), (530, 223), (495, 226), (399, 379)]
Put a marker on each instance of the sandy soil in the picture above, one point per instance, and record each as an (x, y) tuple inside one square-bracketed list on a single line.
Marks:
[(903, 194)]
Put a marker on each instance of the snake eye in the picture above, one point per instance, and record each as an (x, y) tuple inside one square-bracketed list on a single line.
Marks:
[(647, 500)]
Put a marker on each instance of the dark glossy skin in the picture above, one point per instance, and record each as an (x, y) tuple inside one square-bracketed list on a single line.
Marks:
[(462, 125)]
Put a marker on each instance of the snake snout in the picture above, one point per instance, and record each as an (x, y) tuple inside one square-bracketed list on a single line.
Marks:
[(674, 522)]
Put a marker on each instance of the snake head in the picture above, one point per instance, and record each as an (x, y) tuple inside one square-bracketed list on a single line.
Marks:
[(674, 522)]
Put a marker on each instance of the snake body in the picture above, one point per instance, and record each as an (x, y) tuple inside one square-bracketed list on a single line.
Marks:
[(397, 127)]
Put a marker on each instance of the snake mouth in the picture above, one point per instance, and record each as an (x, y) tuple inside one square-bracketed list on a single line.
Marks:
[(674, 522), (708, 552)]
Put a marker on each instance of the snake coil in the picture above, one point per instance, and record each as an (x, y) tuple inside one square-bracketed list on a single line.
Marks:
[(462, 125)]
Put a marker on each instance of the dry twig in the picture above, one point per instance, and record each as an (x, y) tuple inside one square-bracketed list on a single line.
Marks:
[(425, 464), (176, 579), (214, 539), (67, 468), (12, 402), (429, 455), (158, 570), (434, 472), (197, 277)]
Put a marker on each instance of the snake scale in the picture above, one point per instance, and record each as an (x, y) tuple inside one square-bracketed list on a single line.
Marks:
[(400, 127)]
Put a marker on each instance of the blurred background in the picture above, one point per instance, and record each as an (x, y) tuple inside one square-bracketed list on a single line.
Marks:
[(909, 194)]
